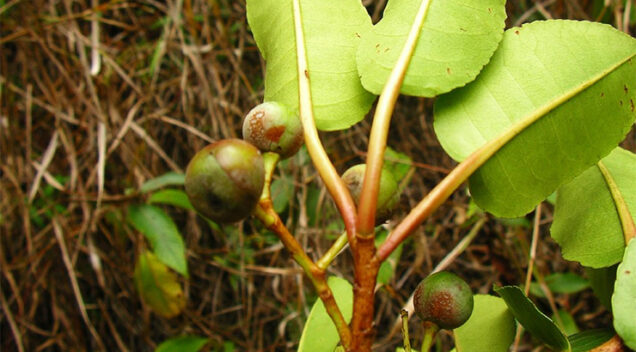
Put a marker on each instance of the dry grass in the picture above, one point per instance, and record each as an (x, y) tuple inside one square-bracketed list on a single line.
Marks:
[(97, 97)]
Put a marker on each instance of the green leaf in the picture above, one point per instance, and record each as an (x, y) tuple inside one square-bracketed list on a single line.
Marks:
[(170, 196), (624, 297), (456, 41), (586, 222), (387, 268), (398, 163), (569, 326), (561, 283), (491, 327), (555, 98), (602, 282), (529, 316), (182, 344), (162, 233), (319, 333), (167, 179), (158, 286), (587, 340), (332, 31), (282, 191)]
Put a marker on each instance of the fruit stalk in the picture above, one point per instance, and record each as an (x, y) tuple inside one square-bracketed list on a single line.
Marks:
[(267, 215)]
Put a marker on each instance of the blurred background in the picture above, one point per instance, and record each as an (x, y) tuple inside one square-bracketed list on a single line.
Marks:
[(97, 98)]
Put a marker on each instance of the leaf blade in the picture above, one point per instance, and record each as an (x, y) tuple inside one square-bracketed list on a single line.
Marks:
[(533, 320), (490, 328), (456, 40), (319, 333), (540, 103), (157, 286), (586, 223), (332, 30), (624, 297), (162, 233)]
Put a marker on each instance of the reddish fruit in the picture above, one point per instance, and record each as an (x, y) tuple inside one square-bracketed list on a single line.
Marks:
[(444, 299), (271, 127)]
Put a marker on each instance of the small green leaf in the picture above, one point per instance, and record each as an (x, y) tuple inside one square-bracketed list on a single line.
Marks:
[(561, 283), (456, 40), (538, 104), (387, 268), (319, 333), (162, 233), (332, 32), (175, 197), (587, 224), (158, 286), (398, 163), (624, 297), (529, 316), (182, 344), (587, 340), (167, 179), (282, 191), (491, 327), (569, 325), (602, 282)]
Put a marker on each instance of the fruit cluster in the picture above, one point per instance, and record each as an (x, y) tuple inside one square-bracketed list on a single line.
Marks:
[(224, 180)]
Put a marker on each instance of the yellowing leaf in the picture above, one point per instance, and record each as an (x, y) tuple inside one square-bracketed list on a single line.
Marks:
[(158, 286)]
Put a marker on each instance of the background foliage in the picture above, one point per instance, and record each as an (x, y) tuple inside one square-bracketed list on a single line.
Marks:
[(79, 141)]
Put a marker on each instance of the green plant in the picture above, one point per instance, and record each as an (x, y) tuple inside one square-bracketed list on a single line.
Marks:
[(526, 112)]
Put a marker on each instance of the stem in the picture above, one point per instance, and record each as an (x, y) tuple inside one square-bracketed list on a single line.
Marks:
[(430, 330), (265, 213), (269, 160), (380, 127), (405, 330), (333, 252), (627, 222), (366, 266), (319, 157)]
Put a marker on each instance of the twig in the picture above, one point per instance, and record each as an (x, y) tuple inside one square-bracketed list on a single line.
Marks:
[(76, 290)]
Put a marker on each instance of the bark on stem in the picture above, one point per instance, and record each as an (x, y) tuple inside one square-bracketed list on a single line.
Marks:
[(366, 271)]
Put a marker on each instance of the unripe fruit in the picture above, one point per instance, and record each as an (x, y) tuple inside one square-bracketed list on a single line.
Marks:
[(271, 127), (388, 196), (444, 299), (224, 180)]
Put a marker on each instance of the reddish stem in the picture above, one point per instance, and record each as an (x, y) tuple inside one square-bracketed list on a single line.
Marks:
[(366, 266), (267, 215)]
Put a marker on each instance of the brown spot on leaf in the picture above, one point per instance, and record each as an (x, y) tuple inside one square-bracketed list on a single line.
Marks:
[(448, 70), (631, 104), (517, 32), (273, 134), (625, 89), (357, 35), (627, 272), (602, 94), (307, 74)]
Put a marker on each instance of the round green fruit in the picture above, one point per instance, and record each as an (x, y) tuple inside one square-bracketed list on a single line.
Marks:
[(388, 196), (271, 127), (444, 299), (224, 180)]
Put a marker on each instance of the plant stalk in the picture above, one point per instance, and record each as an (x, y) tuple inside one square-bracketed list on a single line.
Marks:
[(366, 266), (380, 127), (265, 213), (326, 170)]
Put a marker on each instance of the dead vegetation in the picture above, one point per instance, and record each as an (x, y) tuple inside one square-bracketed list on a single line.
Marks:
[(97, 97)]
